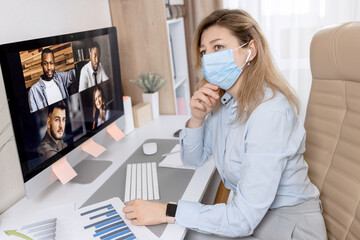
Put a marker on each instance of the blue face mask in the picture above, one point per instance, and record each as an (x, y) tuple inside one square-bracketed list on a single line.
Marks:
[(220, 69)]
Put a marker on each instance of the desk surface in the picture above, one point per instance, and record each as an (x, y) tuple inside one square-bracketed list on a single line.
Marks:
[(117, 153), (172, 182)]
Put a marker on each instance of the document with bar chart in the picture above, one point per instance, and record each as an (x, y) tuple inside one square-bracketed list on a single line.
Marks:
[(106, 221), (42, 230), (47, 224)]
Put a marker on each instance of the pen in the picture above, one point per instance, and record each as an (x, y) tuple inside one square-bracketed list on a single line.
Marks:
[(167, 154)]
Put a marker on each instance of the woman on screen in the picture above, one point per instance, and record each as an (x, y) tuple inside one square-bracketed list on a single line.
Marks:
[(100, 113)]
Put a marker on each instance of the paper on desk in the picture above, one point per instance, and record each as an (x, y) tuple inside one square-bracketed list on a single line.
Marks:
[(92, 148), (63, 170), (115, 132), (58, 221), (174, 160), (106, 220)]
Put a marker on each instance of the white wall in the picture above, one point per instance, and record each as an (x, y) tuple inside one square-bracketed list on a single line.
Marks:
[(29, 19)]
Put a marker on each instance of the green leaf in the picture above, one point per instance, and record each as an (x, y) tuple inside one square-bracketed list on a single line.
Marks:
[(149, 82)]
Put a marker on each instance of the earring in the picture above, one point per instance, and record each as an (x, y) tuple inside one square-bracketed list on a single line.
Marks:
[(248, 63)]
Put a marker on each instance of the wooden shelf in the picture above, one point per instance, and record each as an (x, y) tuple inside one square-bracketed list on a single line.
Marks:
[(179, 65), (142, 40), (180, 81), (150, 43)]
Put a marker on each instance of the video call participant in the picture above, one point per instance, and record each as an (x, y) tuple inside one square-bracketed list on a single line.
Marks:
[(100, 113), (52, 142), (52, 86), (92, 73)]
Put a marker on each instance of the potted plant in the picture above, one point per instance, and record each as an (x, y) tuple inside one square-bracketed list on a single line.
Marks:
[(150, 83)]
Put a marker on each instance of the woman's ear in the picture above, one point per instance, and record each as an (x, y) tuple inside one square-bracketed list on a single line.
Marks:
[(253, 48)]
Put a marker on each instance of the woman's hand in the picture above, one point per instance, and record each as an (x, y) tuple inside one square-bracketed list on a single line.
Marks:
[(142, 212), (201, 103)]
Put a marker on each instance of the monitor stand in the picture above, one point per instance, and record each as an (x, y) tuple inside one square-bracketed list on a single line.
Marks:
[(89, 170)]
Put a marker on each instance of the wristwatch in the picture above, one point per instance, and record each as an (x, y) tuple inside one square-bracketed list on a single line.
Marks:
[(170, 212)]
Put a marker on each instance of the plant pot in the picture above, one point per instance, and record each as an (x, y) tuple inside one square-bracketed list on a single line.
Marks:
[(153, 99)]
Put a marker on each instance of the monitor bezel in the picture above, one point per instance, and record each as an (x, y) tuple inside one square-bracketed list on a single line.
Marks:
[(17, 47)]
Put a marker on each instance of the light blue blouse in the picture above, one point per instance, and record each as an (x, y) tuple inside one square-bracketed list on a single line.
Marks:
[(261, 161)]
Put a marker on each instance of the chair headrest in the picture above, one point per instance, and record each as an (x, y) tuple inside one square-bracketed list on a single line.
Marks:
[(335, 52)]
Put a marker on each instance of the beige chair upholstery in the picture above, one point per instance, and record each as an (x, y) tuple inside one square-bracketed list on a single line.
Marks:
[(333, 127)]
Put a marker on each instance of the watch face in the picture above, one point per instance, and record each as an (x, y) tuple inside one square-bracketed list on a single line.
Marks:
[(171, 210)]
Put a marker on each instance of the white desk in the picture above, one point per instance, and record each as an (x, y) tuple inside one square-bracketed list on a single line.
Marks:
[(118, 153)]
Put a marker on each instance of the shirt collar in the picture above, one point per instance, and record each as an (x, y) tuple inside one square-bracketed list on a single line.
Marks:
[(228, 101), (42, 81), (92, 70)]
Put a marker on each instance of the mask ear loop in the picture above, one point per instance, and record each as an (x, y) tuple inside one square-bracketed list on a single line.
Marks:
[(247, 59), (241, 46)]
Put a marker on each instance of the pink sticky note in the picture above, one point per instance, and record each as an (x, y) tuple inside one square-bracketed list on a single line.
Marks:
[(125, 97), (92, 148), (115, 132), (63, 170)]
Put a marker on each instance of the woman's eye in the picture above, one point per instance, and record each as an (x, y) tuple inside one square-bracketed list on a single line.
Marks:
[(202, 53), (218, 47)]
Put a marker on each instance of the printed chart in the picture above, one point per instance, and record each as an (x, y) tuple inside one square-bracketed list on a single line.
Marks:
[(44, 230), (47, 224), (105, 221)]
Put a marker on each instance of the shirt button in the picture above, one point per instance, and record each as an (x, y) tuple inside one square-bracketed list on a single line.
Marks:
[(216, 230)]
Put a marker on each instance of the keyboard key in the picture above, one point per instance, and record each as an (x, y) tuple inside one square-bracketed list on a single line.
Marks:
[(155, 181), (138, 180), (133, 182), (144, 181), (127, 184), (150, 186)]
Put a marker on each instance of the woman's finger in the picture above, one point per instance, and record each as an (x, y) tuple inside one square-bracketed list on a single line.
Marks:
[(127, 209), (212, 100), (198, 105), (136, 222), (210, 92), (130, 215), (204, 100), (206, 96), (130, 203), (211, 86)]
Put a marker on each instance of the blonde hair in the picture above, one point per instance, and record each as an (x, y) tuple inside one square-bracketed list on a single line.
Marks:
[(262, 70)]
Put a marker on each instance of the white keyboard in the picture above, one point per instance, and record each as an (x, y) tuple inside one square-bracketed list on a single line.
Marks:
[(141, 182)]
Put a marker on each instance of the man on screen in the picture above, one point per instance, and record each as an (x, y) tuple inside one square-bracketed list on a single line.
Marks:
[(52, 142), (52, 86), (92, 73)]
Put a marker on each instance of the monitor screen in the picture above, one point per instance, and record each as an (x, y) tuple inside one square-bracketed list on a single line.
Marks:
[(61, 91)]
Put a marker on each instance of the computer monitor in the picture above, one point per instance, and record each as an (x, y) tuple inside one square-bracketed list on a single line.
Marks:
[(61, 91)]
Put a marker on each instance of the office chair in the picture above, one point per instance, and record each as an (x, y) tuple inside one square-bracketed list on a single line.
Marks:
[(333, 127)]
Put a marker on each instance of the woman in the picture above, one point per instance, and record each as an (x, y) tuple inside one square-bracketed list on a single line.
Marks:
[(245, 115), (100, 113)]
